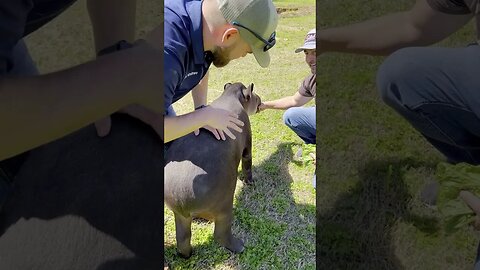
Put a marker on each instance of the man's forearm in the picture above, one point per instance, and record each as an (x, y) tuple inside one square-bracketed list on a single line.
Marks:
[(420, 26), (281, 104), (379, 36), (37, 110), (178, 126)]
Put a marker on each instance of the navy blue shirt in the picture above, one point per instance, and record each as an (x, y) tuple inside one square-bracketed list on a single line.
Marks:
[(19, 18), (185, 63)]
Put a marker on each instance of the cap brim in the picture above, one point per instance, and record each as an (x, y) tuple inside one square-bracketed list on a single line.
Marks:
[(263, 58), (301, 49)]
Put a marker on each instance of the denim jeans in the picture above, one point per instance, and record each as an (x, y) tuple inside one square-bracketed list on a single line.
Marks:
[(302, 121), (22, 65), (477, 260), (437, 90)]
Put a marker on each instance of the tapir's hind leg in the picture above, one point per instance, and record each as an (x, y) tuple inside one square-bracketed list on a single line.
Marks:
[(183, 229), (223, 231)]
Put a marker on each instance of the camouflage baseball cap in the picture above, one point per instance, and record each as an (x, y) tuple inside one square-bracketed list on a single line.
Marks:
[(309, 43), (256, 21)]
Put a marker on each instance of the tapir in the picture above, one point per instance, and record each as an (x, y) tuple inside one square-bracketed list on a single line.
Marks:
[(201, 172), (88, 203)]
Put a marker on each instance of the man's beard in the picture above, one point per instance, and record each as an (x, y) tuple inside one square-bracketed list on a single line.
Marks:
[(220, 56)]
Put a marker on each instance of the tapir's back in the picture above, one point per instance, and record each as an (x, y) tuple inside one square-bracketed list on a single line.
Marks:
[(199, 167)]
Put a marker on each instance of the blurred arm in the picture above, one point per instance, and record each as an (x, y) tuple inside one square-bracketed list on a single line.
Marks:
[(420, 26), (36, 110)]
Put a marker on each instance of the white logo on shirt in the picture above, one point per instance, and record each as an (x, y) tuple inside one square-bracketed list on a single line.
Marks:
[(191, 74)]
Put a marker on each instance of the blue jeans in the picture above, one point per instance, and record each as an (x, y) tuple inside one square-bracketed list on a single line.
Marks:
[(22, 65), (437, 91), (477, 260), (302, 121)]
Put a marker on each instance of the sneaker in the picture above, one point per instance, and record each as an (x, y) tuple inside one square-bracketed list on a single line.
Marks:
[(314, 158), (429, 193), (298, 155)]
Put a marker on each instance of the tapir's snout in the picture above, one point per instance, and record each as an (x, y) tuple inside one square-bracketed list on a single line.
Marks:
[(253, 101), (259, 102)]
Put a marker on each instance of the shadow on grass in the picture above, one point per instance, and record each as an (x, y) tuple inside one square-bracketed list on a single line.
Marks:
[(277, 230), (356, 232), (84, 193), (278, 233)]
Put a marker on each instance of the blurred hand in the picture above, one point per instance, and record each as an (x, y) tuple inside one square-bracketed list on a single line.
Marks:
[(476, 223), (155, 120), (103, 126)]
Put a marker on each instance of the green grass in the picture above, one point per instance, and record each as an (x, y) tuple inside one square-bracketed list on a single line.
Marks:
[(276, 216), (373, 165)]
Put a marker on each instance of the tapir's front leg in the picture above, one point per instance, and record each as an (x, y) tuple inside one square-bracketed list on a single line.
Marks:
[(247, 162)]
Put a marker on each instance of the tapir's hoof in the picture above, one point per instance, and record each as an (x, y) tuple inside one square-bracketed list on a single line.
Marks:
[(247, 180), (235, 245), (185, 254)]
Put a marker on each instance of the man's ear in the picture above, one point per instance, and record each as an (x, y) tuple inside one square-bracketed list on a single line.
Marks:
[(226, 85), (247, 92), (230, 35)]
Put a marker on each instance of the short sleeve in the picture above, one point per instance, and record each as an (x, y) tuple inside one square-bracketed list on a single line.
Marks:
[(308, 87), (172, 76)]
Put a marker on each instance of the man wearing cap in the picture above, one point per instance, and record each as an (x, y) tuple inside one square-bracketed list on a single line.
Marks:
[(199, 33), (300, 119)]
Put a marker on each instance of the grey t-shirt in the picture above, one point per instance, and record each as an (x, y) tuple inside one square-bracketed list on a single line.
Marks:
[(308, 88), (19, 18)]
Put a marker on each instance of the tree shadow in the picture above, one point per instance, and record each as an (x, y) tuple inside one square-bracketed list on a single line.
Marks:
[(265, 215), (356, 233), (88, 202)]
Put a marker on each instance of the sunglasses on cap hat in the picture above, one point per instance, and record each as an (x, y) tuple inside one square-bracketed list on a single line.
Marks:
[(268, 44)]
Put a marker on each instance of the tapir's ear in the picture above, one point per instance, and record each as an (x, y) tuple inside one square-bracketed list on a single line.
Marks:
[(226, 85), (247, 92)]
